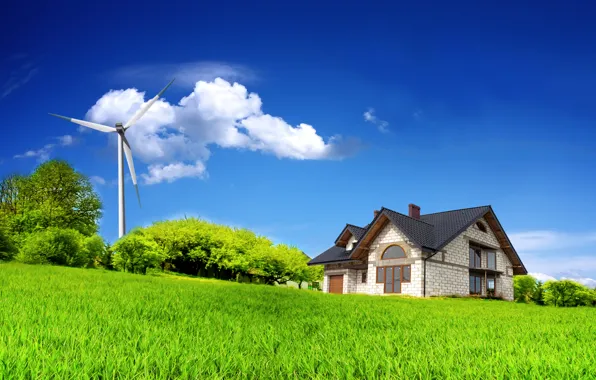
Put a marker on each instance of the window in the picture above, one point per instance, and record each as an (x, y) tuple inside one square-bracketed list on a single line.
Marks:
[(393, 252), (393, 276), (491, 258), (475, 284), (406, 273), (380, 275), (364, 277), (490, 285), (481, 226), (475, 258)]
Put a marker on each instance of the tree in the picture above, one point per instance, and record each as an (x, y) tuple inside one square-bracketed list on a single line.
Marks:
[(55, 246), (567, 293), (524, 288), (136, 252), (54, 195)]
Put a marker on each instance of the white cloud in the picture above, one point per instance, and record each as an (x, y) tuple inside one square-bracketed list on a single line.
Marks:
[(186, 74), (542, 277), (66, 140), (174, 139), (589, 282), (18, 77), (97, 180), (370, 117), (43, 154), (560, 265), (172, 172), (550, 240)]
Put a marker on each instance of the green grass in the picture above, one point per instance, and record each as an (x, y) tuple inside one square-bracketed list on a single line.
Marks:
[(76, 323)]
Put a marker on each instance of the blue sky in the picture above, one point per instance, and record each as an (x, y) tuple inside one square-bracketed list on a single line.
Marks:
[(445, 106)]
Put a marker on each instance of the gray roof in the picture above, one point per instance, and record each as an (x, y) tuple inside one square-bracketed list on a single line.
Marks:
[(356, 231), (449, 224), (332, 255), (431, 231)]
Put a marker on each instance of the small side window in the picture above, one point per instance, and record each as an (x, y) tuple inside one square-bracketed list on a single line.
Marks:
[(380, 275), (364, 277)]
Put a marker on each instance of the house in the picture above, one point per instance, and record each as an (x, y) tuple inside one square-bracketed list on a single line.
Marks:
[(459, 252)]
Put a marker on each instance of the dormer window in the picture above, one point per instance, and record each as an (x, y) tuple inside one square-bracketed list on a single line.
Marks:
[(481, 226), (351, 244)]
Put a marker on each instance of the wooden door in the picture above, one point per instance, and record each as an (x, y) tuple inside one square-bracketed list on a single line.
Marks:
[(336, 284)]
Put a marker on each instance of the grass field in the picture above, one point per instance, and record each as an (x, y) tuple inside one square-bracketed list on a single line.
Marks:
[(76, 323)]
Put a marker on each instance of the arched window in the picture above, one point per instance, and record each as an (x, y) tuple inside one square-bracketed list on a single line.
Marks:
[(393, 252), (481, 226)]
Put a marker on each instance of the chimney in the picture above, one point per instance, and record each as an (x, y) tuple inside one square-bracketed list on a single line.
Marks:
[(376, 213), (414, 211)]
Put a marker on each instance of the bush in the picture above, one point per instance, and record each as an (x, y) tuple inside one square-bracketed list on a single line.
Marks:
[(524, 288), (55, 246), (95, 250), (567, 293), (136, 252)]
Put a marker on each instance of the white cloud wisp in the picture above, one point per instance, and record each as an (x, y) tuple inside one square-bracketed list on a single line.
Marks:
[(382, 125), (43, 154)]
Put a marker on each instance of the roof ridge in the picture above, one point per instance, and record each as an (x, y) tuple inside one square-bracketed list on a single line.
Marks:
[(457, 209), (353, 225), (407, 216)]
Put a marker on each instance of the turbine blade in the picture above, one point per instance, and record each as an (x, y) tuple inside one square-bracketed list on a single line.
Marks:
[(88, 124), (131, 165), (146, 107)]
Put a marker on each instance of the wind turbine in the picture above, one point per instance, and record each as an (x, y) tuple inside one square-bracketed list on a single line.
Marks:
[(123, 146)]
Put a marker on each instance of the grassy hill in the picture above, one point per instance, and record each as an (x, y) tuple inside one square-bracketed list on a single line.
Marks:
[(78, 323)]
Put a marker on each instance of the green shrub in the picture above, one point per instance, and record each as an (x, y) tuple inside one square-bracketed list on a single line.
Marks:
[(55, 246), (95, 250), (524, 288), (567, 293), (136, 252)]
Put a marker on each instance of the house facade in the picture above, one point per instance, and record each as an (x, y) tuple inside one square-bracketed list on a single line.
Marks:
[(459, 252)]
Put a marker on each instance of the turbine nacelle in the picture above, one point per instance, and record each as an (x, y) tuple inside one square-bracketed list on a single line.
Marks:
[(123, 147)]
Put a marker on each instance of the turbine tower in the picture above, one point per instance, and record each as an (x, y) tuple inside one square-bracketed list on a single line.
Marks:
[(123, 146)]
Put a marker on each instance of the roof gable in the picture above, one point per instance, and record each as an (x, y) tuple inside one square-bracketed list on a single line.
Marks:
[(349, 230)]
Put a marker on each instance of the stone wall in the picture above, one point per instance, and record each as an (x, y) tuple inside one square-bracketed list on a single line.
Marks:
[(458, 252), (443, 279), (388, 236)]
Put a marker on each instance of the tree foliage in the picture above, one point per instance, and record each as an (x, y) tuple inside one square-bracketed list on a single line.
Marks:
[(54, 195), (567, 293), (57, 246), (136, 252), (197, 247), (524, 288)]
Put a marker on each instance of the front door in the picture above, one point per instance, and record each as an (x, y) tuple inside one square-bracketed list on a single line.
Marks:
[(336, 284), (393, 279)]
